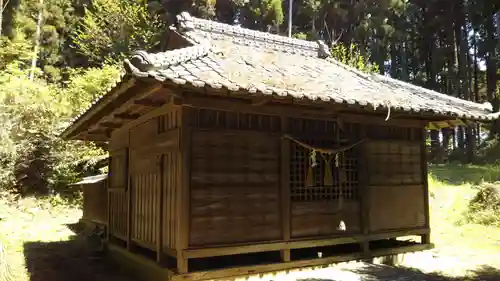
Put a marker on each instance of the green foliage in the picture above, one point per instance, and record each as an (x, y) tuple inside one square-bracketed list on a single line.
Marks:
[(14, 51), (353, 58), (273, 11), (91, 81), (58, 20), (34, 158), (484, 208), (112, 29)]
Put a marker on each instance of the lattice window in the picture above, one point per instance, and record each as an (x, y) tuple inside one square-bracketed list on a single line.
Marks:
[(345, 176), (393, 132), (217, 119), (168, 121), (311, 127), (161, 124)]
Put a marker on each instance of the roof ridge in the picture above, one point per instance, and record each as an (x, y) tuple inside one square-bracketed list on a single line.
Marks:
[(141, 62), (186, 23)]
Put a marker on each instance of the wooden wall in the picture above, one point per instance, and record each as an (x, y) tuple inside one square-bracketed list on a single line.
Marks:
[(118, 185), (319, 210), (95, 197), (395, 178), (234, 179), (244, 180), (144, 176)]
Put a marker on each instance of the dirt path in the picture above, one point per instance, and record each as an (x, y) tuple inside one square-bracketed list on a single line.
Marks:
[(41, 247)]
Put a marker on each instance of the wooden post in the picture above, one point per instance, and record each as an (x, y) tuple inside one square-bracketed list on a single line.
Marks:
[(129, 194), (159, 202), (108, 206), (108, 203), (364, 188), (423, 153), (285, 190), (183, 208)]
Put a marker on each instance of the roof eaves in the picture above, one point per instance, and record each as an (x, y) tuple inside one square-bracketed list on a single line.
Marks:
[(234, 87), (122, 82), (90, 180), (486, 107)]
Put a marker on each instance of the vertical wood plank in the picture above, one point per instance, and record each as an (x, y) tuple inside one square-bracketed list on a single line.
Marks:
[(423, 153), (285, 189), (128, 196), (364, 188), (183, 184), (159, 208), (108, 206)]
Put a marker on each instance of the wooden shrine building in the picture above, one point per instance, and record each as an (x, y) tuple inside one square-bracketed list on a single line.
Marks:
[(95, 197), (237, 152)]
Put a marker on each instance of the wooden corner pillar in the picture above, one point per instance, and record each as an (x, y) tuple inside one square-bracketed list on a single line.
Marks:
[(285, 189), (425, 238), (159, 206), (364, 191), (184, 182), (108, 201), (128, 195)]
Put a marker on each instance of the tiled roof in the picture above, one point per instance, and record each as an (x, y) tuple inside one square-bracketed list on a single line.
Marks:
[(239, 59)]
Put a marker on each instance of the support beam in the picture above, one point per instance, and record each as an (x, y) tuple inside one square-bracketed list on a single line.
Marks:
[(159, 202), (290, 110), (261, 100), (127, 116), (365, 190), (183, 199), (424, 169), (111, 125), (285, 190), (149, 102), (298, 244), (120, 101)]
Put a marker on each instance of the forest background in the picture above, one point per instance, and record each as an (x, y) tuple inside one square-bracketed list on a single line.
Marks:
[(56, 56)]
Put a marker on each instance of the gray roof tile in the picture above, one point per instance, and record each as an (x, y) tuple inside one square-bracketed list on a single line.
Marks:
[(241, 59)]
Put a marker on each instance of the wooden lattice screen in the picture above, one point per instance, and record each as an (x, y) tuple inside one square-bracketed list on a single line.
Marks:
[(382, 132), (328, 134), (118, 183), (319, 191), (229, 120)]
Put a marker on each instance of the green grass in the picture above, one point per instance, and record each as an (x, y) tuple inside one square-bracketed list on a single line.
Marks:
[(41, 247), (459, 174), (462, 247)]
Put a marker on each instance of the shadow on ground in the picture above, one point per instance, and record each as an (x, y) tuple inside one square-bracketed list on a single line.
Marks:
[(68, 261), (457, 174), (372, 272)]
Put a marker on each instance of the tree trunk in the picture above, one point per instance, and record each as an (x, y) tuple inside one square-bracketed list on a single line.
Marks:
[(394, 61), (491, 67), (463, 79), (37, 41), (476, 70), (404, 63), (1, 16)]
